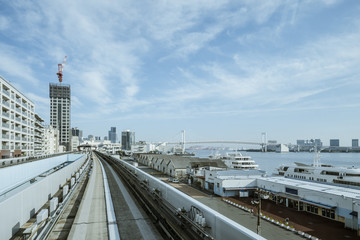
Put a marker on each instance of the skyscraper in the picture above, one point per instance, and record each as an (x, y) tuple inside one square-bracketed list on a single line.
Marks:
[(60, 106), (127, 139), (112, 135)]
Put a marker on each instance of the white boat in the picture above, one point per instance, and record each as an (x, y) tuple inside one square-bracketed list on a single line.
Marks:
[(317, 172), (236, 160)]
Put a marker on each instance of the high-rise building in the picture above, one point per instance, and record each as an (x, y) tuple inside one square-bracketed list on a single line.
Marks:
[(112, 135), (17, 122), (60, 108), (355, 143), (76, 132), (127, 139), (334, 142)]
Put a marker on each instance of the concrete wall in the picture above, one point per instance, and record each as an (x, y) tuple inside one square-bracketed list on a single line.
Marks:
[(19, 208)]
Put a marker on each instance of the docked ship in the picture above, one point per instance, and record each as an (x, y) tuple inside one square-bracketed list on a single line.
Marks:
[(322, 173), (235, 160)]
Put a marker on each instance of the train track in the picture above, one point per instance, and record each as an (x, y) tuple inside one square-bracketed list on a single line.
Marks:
[(156, 212)]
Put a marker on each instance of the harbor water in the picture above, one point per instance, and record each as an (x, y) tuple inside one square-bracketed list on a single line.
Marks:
[(269, 161)]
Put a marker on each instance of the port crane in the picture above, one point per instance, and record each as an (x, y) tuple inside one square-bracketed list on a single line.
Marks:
[(60, 69)]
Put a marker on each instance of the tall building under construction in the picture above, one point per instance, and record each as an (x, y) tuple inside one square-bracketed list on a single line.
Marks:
[(60, 109)]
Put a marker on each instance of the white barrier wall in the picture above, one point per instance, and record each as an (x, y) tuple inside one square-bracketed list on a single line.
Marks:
[(221, 226), (19, 208)]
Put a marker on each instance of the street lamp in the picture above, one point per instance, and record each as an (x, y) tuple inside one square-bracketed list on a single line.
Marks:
[(261, 195)]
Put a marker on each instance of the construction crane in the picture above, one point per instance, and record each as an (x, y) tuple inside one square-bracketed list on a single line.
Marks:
[(60, 69)]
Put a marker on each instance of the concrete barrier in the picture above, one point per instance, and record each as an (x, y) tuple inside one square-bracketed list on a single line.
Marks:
[(20, 207)]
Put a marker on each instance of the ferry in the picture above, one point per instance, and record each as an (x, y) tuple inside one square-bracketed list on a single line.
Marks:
[(349, 176), (235, 160)]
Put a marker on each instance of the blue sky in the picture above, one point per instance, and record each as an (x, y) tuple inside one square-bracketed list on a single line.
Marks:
[(218, 69)]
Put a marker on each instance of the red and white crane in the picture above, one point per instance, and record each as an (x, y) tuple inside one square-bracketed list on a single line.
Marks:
[(60, 69)]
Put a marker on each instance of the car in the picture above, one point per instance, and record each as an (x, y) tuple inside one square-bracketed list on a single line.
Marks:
[(170, 179), (175, 180)]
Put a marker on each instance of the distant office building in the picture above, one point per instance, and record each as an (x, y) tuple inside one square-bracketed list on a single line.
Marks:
[(309, 145), (97, 138), (17, 122), (105, 138), (334, 142), (300, 142), (112, 135), (127, 139), (60, 109), (355, 143), (77, 132)]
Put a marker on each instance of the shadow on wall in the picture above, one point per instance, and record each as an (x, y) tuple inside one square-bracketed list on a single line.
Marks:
[(15, 228), (32, 213)]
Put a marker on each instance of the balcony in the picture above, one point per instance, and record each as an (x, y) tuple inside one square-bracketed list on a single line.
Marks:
[(17, 129), (17, 138), (5, 136), (24, 122), (6, 125), (6, 92), (6, 103), (18, 110), (6, 114), (18, 119), (24, 130), (17, 147), (5, 147), (18, 101)]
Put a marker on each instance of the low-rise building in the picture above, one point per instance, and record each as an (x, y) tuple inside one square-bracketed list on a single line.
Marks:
[(142, 147), (232, 183)]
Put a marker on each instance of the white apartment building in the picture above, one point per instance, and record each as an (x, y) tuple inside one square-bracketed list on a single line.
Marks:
[(17, 122), (38, 136), (75, 142), (51, 140)]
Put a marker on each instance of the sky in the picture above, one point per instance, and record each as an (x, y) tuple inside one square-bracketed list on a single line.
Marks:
[(220, 70)]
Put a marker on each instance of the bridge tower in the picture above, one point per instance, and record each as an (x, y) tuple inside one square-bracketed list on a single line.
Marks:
[(183, 141), (264, 142)]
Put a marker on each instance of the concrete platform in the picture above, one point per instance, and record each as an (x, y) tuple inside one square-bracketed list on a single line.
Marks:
[(90, 221)]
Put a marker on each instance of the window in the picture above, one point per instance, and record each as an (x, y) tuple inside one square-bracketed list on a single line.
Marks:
[(291, 191)]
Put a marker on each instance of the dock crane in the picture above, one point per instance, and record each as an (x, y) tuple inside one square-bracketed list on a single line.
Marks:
[(60, 69)]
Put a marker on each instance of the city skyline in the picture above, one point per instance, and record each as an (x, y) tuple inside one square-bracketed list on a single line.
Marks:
[(220, 70)]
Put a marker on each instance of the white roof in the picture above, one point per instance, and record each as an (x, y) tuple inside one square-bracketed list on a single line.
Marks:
[(312, 186)]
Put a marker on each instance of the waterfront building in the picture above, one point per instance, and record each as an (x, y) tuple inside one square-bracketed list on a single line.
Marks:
[(334, 142), (142, 147), (308, 145), (232, 183), (60, 109), (127, 139), (355, 143), (17, 122), (51, 140), (112, 135), (282, 148), (38, 136)]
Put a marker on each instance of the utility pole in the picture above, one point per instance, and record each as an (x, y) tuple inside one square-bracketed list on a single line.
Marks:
[(258, 229)]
